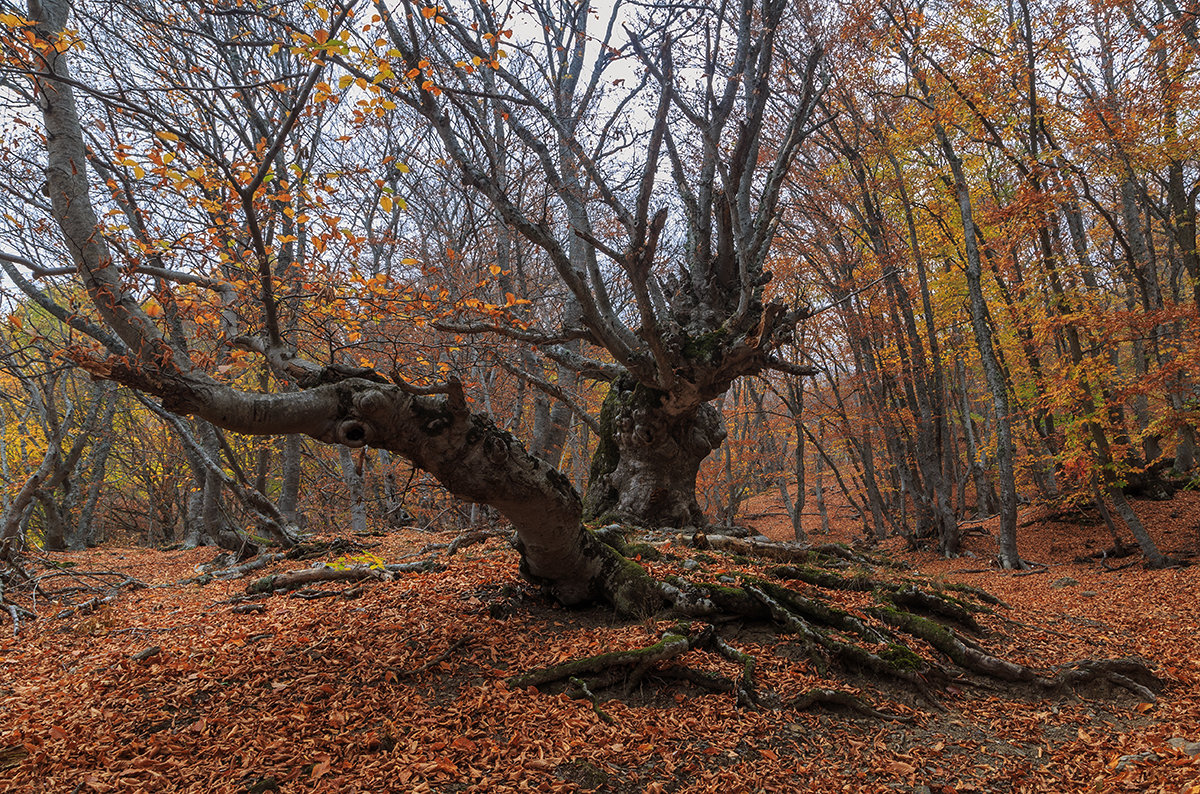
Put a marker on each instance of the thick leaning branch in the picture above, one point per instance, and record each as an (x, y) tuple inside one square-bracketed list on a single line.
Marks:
[(68, 188), (465, 452)]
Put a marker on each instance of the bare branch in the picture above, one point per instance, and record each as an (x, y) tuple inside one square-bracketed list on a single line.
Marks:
[(556, 392)]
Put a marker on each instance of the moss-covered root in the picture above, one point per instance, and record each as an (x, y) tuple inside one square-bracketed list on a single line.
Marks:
[(896, 662), (581, 686), (626, 585), (945, 641), (631, 667), (982, 595), (747, 690), (820, 611), (836, 698), (828, 580), (1129, 673), (675, 642), (938, 605), (704, 600), (832, 554)]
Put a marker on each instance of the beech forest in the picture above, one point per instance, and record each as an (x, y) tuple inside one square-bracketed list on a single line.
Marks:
[(619, 396)]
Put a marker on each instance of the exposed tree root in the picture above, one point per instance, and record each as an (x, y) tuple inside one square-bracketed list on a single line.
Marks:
[(836, 698), (673, 642), (584, 690), (832, 554), (1128, 673), (632, 667), (1110, 568), (917, 635), (965, 653)]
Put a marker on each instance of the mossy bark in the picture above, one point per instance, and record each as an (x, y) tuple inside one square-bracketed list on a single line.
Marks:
[(889, 641), (645, 466)]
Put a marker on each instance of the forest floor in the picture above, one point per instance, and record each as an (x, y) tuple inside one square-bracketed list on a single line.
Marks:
[(404, 687)]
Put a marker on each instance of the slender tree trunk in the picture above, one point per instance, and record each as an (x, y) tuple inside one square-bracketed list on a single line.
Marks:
[(83, 533), (208, 524), (353, 479), (867, 450), (86, 531), (1005, 452), (289, 491), (819, 490), (796, 393)]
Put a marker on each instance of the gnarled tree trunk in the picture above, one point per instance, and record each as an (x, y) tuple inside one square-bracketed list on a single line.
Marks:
[(645, 466)]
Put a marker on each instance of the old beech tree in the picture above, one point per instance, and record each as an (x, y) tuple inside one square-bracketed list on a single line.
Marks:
[(692, 315), (660, 208)]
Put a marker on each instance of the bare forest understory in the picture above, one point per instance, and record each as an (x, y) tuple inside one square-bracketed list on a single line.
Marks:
[(421, 680)]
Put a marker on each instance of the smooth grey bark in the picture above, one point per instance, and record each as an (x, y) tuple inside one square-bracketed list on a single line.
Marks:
[(352, 476), (86, 530), (51, 472), (986, 501), (54, 526), (57, 470), (211, 525), (795, 405), (579, 460), (819, 489), (792, 396), (394, 510), (728, 509), (4, 471), (12, 520), (866, 450), (873, 402), (289, 487), (90, 473), (203, 449)]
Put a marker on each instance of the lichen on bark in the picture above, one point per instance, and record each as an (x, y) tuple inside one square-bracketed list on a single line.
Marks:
[(649, 454)]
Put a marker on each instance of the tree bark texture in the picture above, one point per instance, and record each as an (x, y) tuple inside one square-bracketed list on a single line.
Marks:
[(645, 466)]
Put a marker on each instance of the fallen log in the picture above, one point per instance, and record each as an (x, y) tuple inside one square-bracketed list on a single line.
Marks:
[(294, 580)]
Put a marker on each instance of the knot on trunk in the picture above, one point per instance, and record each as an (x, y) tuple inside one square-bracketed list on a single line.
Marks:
[(495, 449), (353, 433), (708, 431)]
